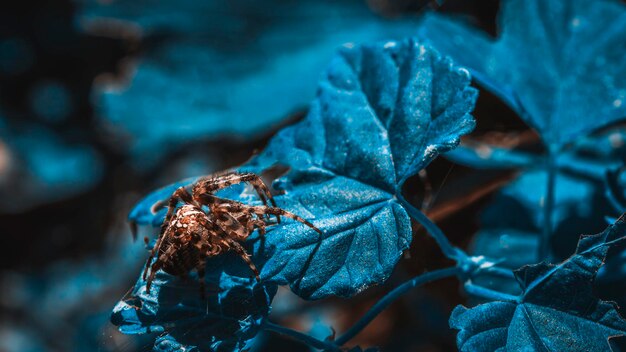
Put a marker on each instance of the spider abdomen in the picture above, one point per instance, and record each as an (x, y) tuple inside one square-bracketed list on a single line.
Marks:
[(182, 261), (185, 234)]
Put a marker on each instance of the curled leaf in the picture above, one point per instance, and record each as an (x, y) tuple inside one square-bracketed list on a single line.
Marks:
[(231, 314)]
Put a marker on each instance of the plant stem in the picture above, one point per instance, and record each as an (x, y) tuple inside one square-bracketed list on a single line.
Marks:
[(489, 294), (435, 232), (548, 202), (391, 297), (497, 271), (309, 340)]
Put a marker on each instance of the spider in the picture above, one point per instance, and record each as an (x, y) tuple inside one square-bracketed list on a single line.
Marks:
[(190, 235)]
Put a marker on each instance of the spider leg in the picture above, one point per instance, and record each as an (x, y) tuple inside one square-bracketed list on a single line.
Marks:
[(229, 224), (155, 250), (212, 201), (235, 227), (260, 211), (238, 248), (158, 205), (227, 241), (148, 263), (180, 193), (215, 183), (158, 264), (215, 203), (258, 224)]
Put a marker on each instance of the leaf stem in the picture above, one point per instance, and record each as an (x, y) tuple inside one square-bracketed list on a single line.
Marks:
[(548, 202), (435, 232), (489, 294), (391, 297), (497, 271), (297, 335)]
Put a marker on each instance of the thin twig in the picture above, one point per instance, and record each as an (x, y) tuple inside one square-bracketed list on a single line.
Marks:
[(447, 248), (548, 202), (297, 335), (489, 294), (391, 297)]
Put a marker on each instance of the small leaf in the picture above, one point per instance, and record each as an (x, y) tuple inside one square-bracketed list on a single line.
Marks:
[(383, 112), (231, 314), (557, 310), (167, 343), (559, 64)]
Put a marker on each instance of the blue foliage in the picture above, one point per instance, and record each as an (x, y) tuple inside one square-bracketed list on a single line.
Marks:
[(27, 169), (235, 67), (482, 156), (557, 310), (383, 112), (510, 226), (556, 63), (230, 315)]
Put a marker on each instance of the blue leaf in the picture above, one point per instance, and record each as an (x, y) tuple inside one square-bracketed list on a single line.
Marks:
[(557, 310), (484, 156), (231, 314), (29, 172), (217, 68), (559, 64), (383, 112), (167, 343)]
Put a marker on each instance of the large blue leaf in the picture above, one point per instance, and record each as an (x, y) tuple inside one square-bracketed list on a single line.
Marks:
[(557, 310), (559, 64), (234, 67), (382, 113)]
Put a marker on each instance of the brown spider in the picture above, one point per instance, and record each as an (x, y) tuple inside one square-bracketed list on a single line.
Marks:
[(189, 234)]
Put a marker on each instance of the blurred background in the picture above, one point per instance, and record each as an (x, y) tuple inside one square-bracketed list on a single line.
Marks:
[(104, 101)]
